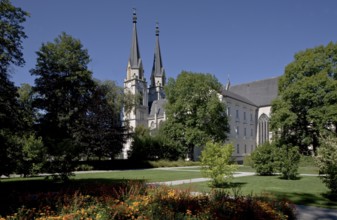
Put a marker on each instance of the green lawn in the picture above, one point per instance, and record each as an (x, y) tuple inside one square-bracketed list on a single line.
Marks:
[(150, 175), (307, 190)]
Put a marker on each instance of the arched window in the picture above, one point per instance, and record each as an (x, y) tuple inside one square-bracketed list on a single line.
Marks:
[(263, 127)]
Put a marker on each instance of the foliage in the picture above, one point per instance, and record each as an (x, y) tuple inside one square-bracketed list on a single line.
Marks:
[(216, 163), (264, 159), (150, 147), (33, 155), (63, 88), (103, 133), (133, 200), (247, 161), (195, 113), (12, 33), (175, 163), (307, 102), (307, 161), (326, 160), (11, 113), (288, 159)]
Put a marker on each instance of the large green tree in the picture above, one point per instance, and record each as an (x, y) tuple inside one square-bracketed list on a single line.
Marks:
[(104, 131), (195, 112), (307, 100), (11, 36), (63, 88)]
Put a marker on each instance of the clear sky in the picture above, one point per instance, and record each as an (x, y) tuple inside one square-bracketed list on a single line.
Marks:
[(247, 40)]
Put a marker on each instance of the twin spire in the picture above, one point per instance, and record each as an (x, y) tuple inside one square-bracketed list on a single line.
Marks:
[(136, 61)]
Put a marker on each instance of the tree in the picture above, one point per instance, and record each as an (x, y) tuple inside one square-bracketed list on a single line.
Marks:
[(216, 163), (11, 35), (63, 88), (195, 113), (104, 132), (307, 100), (326, 160)]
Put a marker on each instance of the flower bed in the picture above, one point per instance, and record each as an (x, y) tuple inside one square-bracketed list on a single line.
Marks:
[(135, 200)]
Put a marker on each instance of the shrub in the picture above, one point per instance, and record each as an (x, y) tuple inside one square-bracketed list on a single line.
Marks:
[(288, 159), (84, 167), (146, 146), (307, 161), (326, 160), (264, 159), (247, 161), (216, 163)]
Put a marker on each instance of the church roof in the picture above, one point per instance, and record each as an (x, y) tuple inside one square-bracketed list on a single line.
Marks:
[(260, 92), (157, 107), (235, 96), (157, 68), (134, 59)]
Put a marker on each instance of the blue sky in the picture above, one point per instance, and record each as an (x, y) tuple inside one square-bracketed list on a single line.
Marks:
[(247, 40)]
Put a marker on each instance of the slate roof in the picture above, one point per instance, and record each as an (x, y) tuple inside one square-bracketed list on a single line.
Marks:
[(157, 107), (260, 92), (235, 96)]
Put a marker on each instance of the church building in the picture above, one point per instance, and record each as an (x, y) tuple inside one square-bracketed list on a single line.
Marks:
[(248, 105)]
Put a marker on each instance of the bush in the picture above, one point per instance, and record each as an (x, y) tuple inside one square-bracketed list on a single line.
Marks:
[(175, 163), (326, 160), (216, 163), (288, 159), (264, 159), (150, 147), (134, 200), (247, 161)]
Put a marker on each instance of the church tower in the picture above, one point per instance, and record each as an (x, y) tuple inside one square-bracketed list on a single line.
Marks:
[(135, 84), (156, 91)]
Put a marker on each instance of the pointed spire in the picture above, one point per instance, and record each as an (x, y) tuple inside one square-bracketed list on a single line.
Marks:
[(228, 83), (157, 68), (135, 60)]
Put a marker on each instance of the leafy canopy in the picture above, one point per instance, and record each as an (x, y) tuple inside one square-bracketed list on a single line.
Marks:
[(195, 112), (63, 88), (307, 102), (11, 113)]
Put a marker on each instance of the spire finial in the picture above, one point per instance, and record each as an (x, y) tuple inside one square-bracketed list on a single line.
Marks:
[(134, 15), (157, 28)]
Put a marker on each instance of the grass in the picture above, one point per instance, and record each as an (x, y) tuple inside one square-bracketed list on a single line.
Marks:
[(307, 190), (148, 175)]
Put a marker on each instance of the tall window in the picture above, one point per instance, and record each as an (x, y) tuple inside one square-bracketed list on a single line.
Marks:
[(245, 132), (237, 148), (237, 114), (263, 127), (244, 116)]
